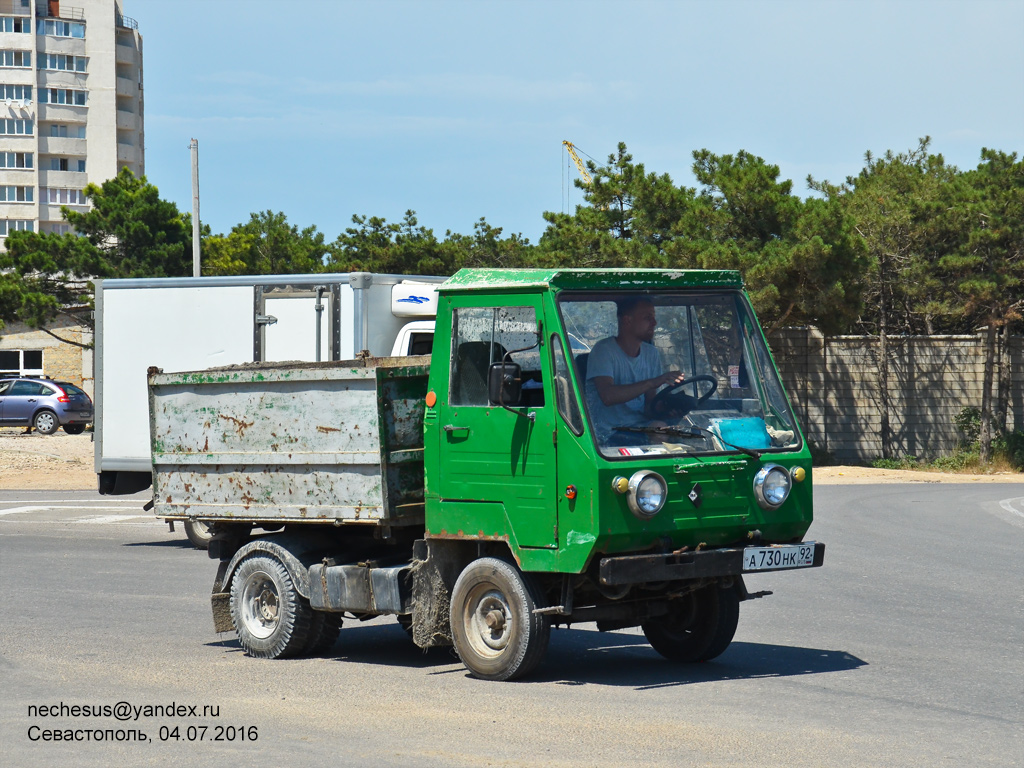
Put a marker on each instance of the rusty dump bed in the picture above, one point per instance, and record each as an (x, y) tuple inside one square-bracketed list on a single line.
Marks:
[(338, 442)]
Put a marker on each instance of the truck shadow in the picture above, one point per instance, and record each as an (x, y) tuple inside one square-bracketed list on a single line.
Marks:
[(163, 543), (580, 657), (588, 657)]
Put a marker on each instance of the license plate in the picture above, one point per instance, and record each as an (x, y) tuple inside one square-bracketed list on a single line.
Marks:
[(779, 558)]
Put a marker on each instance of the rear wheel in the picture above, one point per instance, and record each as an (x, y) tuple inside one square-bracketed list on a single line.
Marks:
[(494, 629), (74, 429), (46, 422), (698, 627), (271, 617), (323, 632)]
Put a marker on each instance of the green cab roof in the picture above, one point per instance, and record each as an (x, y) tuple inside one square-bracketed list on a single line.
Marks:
[(510, 280)]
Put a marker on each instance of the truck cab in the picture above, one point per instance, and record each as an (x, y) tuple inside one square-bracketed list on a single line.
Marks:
[(554, 475)]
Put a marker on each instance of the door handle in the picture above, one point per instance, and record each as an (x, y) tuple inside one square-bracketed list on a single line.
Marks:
[(449, 428)]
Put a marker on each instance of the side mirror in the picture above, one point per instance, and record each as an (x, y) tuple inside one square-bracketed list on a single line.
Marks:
[(505, 383)]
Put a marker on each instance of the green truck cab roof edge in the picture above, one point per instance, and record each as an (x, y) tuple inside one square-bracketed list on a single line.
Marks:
[(506, 280)]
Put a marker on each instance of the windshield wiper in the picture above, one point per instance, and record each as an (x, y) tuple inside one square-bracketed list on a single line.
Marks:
[(689, 432), (674, 431)]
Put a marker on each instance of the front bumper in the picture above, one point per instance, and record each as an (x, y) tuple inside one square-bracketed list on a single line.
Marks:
[(707, 564)]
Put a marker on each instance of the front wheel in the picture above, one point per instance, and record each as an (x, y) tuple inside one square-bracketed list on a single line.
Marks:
[(494, 629), (698, 627), (46, 422), (271, 617)]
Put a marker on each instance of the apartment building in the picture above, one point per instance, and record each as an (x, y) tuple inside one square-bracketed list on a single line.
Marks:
[(71, 106)]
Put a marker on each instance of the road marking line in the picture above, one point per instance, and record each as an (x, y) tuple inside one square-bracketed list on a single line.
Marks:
[(44, 507), (102, 519), (1007, 504), (70, 501)]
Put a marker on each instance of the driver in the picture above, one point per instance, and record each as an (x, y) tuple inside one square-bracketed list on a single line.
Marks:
[(625, 371)]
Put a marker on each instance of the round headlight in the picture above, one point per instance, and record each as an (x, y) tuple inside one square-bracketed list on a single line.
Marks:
[(772, 485), (647, 494)]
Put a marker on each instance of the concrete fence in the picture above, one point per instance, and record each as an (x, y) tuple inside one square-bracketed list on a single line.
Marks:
[(832, 383)]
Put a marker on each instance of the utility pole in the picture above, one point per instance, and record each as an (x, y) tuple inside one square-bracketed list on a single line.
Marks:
[(194, 146)]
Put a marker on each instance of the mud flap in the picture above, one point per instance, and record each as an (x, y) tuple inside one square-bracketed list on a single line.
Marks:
[(436, 566), (220, 602)]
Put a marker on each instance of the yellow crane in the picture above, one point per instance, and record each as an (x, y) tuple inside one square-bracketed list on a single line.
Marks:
[(570, 147)]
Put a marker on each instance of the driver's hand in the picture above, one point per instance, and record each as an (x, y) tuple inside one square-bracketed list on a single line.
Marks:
[(671, 378)]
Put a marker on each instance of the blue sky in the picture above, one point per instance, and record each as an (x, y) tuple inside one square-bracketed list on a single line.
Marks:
[(326, 108)]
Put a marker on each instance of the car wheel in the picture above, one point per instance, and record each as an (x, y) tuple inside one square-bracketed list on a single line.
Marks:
[(271, 617), (74, 429), (494, 628), (46, 422)]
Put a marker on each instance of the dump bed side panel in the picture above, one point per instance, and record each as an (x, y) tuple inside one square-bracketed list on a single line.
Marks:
[(290, 444)]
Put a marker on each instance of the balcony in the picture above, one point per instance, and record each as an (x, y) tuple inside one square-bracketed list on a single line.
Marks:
[(56, 78), (69, 179), (126, 87), (61, 145), (74, 46), (19, 177), (19, 109), (62, 113), (54, 9), (125, 51), (18, 211), (51, 211), (19, 76), (127, 153), (127, 121), (15, 143)]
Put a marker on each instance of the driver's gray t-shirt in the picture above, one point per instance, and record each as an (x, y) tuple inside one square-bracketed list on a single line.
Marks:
[(608, 359)]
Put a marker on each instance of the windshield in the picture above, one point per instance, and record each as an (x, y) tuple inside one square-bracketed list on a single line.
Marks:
[(675, 372)]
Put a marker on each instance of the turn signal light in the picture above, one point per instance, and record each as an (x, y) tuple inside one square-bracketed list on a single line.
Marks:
[(570, 492)]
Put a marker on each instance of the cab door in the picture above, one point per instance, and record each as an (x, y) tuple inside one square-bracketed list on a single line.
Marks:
[(498, 462)]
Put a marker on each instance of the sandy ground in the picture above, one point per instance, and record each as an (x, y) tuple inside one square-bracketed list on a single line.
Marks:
[(65, 462), (57, 462)]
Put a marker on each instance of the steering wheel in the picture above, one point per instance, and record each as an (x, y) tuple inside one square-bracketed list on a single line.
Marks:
[(673, 401)]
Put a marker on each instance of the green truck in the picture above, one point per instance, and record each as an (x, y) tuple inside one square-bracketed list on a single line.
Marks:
[(499, 486)]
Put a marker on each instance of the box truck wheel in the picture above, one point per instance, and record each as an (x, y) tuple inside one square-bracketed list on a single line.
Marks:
[(698, 627), (271, 617), (494, 629), (198, 533)]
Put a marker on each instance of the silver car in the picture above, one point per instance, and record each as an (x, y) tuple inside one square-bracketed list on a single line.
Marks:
[(45, 405)]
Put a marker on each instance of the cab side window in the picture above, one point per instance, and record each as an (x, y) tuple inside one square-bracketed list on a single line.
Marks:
[(485, 335), (568, 407)]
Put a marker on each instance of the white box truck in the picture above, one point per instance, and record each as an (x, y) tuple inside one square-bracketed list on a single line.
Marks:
[(179, 324)]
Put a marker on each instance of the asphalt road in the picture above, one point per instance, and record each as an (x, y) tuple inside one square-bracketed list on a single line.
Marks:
[(904, 650)]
